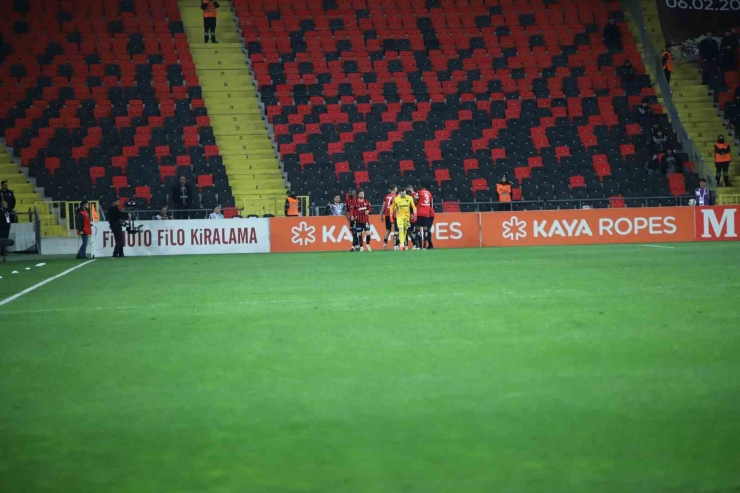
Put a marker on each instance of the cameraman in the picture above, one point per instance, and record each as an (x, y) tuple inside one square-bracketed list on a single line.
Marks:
[(116, 220)]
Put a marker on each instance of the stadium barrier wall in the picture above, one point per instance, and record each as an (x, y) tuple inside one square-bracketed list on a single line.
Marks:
[(451, 230), (199, 236), (327, 233), (588, 227), (525, 228)]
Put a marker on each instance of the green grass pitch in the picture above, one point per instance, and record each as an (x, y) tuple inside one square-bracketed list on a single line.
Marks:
[(603, 369)]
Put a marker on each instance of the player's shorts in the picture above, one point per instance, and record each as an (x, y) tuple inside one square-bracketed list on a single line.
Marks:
[(389, 223), (362, 226), (424, 222)]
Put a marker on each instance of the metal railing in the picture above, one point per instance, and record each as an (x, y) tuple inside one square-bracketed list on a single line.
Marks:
[(275, 205), (172, 214), (58, 218), (539, 204), (728, 199), (652, 59)]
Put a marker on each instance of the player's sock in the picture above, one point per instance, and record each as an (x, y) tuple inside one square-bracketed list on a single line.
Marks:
[(429, 240)]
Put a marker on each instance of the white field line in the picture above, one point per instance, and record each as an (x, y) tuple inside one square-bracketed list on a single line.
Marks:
[(45, 281), (658, 246)]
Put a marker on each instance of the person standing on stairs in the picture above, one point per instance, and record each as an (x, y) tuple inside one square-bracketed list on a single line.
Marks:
[(210, 13), (666, 60), (722, 160), (728, 52), (709, 53)]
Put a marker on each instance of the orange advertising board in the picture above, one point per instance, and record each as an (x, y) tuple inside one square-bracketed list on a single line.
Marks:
[(325, 233), (587, 226)]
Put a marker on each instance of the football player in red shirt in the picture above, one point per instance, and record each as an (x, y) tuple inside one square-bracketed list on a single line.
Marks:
[(385, 211), (351, 202), (424, 213), (363, 209)]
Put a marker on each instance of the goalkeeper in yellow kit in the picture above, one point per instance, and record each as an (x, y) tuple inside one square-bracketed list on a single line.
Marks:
[(403, 208)]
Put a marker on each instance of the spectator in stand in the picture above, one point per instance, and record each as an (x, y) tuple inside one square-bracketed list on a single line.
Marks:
[(709, 53), (8, 196), (666, 60), (84, 228), (336, 208), (669, 164), (163, 215), (612, 35), (645, 116), (722, 160), (702, 195), (659, 142), (182, 195), (728, 49), (292, 205), (727, 60), (627, 72), (653, 165), (655, 129), (4, 225), (503, 189), (216, 214)]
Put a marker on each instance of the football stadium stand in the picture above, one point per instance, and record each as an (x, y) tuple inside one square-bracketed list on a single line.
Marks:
[(366, 93), (230, 95), (120, 97), (102, 99), (695, 105)]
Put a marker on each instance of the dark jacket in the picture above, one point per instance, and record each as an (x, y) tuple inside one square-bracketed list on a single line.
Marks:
[(709, 49), (115, 216), (182, 199), (5, 220), (9, 197), (627, 72), (670, 164), (659, 143), (644, 113), (653, 164), (730, 40), (612, 34), (728, 59)]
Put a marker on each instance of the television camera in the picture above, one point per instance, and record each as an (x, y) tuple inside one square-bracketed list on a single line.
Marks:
[(131, 206)]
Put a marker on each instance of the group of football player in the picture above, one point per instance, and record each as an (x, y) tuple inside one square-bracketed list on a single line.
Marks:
[(408, 216)]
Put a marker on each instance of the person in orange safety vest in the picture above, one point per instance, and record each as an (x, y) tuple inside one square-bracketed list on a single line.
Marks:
[(666, 60), (722, 160), (210, 13)]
